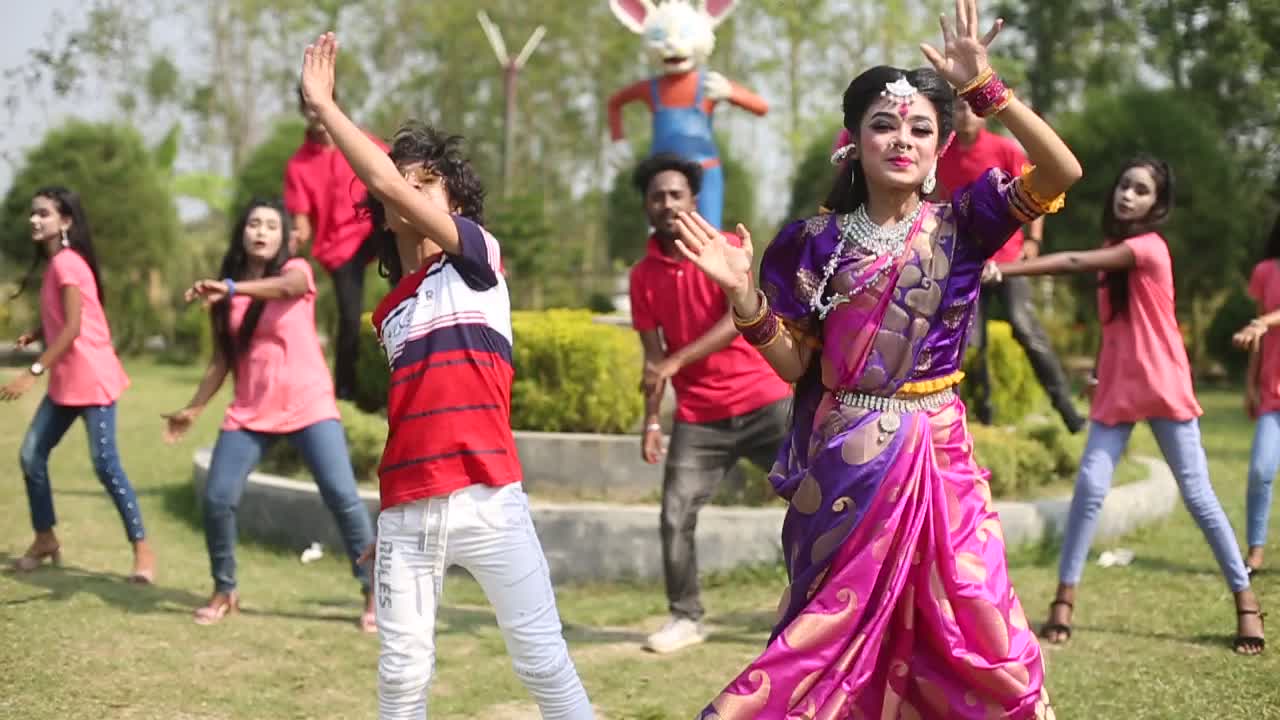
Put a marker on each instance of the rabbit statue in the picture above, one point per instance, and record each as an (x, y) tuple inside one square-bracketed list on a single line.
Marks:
[(680, 36)]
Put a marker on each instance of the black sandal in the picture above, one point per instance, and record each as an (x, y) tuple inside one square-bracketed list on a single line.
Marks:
[(1062, 629), (1250, 642)]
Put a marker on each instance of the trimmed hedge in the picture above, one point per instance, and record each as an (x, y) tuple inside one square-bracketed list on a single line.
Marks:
[(1015, 391), (572, 374)]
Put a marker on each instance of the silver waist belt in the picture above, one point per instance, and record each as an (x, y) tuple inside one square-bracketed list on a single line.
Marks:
[(880, 403)]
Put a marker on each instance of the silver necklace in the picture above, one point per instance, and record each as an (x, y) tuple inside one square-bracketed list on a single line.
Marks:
[(856, 228)]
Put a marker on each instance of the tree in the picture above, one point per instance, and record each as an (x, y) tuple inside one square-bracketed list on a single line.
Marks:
[(131, 213), (262, 174), (814, 176)]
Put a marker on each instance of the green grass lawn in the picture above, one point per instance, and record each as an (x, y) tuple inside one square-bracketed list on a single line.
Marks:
[(1152, 640)]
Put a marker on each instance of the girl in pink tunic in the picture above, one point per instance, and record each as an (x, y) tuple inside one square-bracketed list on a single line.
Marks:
[(1262, 396), (263, 312), (1142, 375), (85, 378)]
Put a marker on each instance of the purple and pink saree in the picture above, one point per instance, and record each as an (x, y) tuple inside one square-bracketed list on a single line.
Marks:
[(900, 604)]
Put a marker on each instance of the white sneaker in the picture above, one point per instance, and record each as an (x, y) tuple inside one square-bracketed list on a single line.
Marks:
[(677, 634)]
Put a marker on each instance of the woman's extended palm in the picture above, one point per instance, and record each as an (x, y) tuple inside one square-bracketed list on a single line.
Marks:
[(728, 265), (964, 53)]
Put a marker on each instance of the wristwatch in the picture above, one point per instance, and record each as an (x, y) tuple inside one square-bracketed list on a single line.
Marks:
[(37, 369)]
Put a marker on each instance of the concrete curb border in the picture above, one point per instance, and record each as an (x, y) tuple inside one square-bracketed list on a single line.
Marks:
[(593, 542)]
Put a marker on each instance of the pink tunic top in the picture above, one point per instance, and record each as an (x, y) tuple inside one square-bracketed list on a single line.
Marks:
[(1143, 371), (282, 381), (1264, 287), (88, 373)]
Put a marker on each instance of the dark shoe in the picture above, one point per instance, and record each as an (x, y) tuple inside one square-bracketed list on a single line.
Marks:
[(1250, 644), (1062, 631)]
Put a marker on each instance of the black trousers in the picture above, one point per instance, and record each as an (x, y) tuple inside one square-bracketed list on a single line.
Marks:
[(348, 286), (1015, 293)]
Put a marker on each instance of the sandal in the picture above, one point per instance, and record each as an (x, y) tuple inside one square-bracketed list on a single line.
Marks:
[(1063, 630), (1250, 644), (220, 606), (34, 557)]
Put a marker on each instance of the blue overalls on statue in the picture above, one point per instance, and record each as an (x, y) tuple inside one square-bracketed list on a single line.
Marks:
[(686, 131)]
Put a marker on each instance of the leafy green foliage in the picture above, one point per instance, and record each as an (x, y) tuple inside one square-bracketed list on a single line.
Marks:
[(1015, 392), (263, 172)]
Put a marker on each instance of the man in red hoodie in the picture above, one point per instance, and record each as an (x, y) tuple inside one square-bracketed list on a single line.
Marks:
[(322, 193)]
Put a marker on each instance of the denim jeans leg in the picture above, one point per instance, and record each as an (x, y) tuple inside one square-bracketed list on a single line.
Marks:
[(699, 456), (1264, 461), (234, 456), (323, 446), (100, 421), (1102, 451), (1183, 449), (50, 423)]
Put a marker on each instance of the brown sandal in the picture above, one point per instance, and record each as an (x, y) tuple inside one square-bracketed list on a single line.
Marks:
[(220, 606), (34, 557)]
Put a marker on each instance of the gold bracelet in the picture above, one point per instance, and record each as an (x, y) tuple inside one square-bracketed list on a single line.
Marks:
[(777, 335), (761, 314), (983, 78)]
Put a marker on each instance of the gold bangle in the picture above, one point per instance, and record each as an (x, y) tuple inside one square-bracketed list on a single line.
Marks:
[(982, 78), (761, 314), (777, 335)]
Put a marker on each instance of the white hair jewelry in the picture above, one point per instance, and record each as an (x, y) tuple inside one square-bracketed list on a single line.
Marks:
[(839, 156), (902, 91)]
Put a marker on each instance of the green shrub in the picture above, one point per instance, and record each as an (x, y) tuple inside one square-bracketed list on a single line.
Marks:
[(1015, 392), (574, 375), (371, 369), (192, 337), (1235, 313), (1018, 463)]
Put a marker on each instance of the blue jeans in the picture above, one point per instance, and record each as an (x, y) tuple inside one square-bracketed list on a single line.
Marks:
[(45, 432), (1264, 460), (1182, 449), (323, 446)]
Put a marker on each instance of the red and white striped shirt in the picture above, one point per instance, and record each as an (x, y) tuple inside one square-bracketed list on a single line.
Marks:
[(446, 330)]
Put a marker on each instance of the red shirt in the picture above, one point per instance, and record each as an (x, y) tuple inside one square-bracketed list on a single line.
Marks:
[(962, 165), (671, 294), (446, 330), (319, 183)]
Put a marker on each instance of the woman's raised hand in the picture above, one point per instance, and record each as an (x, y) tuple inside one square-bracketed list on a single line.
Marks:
[(707, 248), (964, 53)]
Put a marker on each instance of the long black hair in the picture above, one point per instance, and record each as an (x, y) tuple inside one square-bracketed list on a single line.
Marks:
[(440, 153), (1272, 250), (235, 265), (850, 189), (1114, 229), (79, 238)]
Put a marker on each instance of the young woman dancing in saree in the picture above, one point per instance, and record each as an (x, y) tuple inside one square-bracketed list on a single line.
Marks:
[(900, 603)]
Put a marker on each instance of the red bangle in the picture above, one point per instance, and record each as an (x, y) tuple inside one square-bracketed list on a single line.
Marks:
[(990, 97)]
